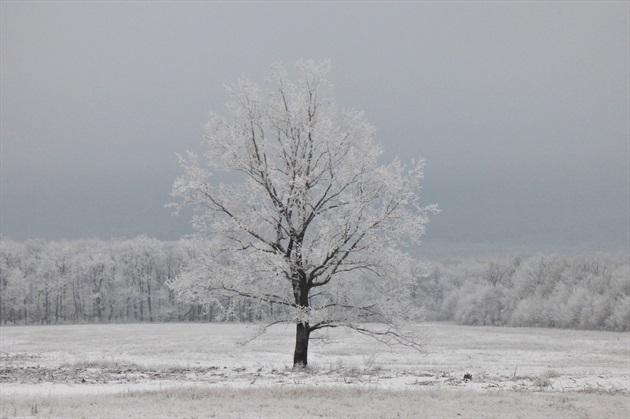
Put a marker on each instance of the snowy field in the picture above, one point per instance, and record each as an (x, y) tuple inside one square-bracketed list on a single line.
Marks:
[(203, 370)]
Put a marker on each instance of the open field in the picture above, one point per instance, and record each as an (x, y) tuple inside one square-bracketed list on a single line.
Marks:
[(202, 370)]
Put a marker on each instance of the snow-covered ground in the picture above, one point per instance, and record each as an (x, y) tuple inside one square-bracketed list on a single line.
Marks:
[(577, 371)]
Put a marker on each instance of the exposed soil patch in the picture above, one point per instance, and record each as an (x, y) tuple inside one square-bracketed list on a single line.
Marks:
[(25, 368), (81, 375)]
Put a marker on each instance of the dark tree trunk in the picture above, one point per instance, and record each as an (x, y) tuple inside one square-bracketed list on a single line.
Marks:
[(149, 300), (300, 355), (301, 289)]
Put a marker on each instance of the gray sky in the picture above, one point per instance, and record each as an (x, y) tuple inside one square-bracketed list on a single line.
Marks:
[(520, 108)]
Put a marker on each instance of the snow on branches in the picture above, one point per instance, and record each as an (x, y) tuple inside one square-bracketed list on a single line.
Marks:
[(309, 212)]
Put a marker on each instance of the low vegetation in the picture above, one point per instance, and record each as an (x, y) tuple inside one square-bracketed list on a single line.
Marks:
[(315, 402)]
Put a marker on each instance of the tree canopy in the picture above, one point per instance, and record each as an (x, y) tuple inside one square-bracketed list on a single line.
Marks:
[(294, 210)]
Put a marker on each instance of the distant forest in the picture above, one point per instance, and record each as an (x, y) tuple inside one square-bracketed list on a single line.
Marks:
[(126, 280)]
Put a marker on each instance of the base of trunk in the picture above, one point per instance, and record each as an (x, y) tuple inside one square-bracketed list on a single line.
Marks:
[(300, 355)]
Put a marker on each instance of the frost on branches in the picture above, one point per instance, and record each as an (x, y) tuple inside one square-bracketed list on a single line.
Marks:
[(306, 226)]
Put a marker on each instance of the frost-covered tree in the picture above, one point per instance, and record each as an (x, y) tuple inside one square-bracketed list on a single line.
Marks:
[(297, 213)]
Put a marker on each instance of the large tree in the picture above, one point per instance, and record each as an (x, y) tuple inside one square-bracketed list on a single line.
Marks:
[(295, 214)]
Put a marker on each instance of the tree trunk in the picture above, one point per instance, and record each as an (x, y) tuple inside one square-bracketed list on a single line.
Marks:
[(149, 300), (303, 331), (300, 355), (76, 302)]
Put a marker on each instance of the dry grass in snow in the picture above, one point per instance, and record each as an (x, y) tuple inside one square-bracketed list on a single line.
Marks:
[(201, 370), (296, 401)]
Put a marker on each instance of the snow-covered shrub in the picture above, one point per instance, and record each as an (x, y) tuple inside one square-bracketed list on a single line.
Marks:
[(529, 312), (620, 317), (482, 305)]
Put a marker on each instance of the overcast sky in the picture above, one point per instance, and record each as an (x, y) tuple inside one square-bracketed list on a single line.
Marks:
[(521, 109)]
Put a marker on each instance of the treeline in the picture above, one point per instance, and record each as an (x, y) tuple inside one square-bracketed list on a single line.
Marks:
[(124, 280), (590, 291), (90, 281), (95, 281)]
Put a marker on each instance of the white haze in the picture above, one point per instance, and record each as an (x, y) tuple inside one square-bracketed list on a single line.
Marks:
[(520, 109)]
